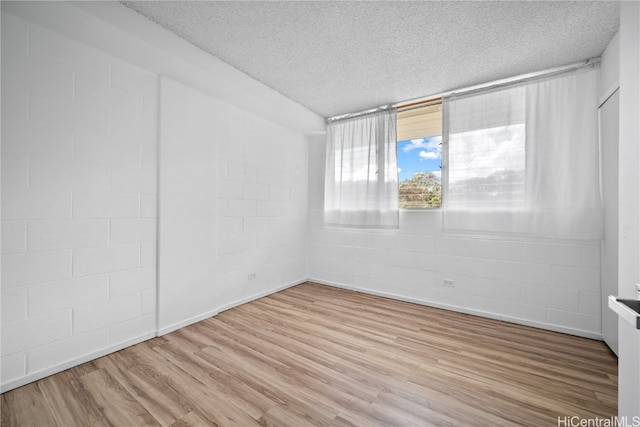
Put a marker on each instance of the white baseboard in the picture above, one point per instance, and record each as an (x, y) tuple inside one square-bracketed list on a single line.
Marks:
[(490, 315), (43, 373)]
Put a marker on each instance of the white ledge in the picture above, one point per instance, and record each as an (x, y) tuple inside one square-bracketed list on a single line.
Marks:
[(621, 308)]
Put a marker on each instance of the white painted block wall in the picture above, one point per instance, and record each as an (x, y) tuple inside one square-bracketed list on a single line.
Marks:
[(187, 237), (79, 202), (548, 284), (79, 155), (260, 226), (262, 207)]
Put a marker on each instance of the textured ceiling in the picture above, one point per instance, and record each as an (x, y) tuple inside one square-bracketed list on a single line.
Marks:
[(342, 57)]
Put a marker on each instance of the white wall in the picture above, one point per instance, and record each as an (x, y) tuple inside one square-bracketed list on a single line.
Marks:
[(629, 205), (256, 224), (79, 184), (187, 205), (548, 284), (79, 145), (262, 207)]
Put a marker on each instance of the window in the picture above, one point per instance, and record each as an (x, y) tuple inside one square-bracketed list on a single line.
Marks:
[(487, 167), (361, 176), (419, 135), (486, 150), (523, 159)]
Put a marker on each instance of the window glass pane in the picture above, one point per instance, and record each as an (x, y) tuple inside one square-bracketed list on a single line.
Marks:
[(419, 175), (487, 166), (419, 131), (486, 150)]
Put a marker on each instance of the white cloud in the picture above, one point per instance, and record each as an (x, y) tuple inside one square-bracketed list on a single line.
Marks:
[(429, 155), (415, 143), (430, 148), (435, 143)]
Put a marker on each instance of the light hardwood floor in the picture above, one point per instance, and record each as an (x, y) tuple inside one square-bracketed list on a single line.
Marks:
[(316, 355)]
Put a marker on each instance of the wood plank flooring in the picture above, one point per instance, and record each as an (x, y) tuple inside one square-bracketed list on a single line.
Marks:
[(319, 356)]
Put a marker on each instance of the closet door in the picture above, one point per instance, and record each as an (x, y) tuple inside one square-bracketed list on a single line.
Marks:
[(187, 205), (609, 128)]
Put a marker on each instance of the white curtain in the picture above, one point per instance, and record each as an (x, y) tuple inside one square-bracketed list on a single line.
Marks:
[(361, 175), (525, 160)]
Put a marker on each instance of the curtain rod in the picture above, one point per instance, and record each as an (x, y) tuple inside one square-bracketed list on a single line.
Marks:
[(470, 89)]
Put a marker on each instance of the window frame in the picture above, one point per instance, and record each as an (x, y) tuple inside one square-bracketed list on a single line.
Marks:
[(417, 106)]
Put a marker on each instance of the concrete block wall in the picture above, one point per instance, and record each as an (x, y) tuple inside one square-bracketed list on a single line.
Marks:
[(79, 203), (79, 186), (549, 284), (262, 203)]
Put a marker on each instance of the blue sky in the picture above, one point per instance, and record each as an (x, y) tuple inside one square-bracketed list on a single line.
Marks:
[(419, 155)]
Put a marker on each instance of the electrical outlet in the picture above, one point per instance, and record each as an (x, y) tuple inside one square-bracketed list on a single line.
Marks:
[(448, 283), (251, 276), (638, 289)]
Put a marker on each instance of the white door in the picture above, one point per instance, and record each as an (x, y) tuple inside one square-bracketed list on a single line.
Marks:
[(609, 127)]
